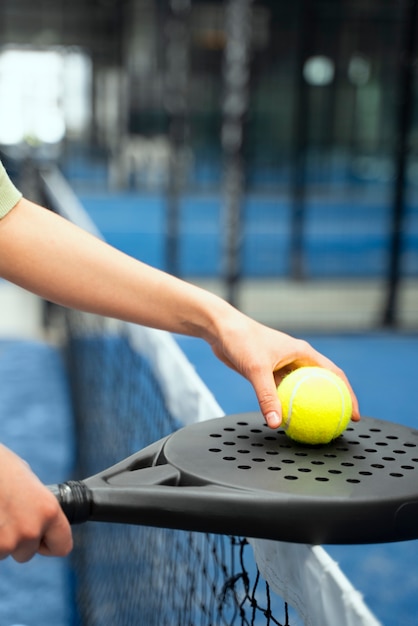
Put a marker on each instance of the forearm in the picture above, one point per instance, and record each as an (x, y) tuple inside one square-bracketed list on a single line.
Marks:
[(51, 257)]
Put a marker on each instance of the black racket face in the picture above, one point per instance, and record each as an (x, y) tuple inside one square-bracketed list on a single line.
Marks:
[(234, 475), (373, 459)]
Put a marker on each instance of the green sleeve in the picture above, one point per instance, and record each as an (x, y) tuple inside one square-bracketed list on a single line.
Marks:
[(9, 195)]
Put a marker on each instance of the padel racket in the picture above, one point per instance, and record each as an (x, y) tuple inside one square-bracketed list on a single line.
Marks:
[(234, 475)]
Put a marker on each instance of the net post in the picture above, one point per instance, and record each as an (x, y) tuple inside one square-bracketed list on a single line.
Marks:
[(236, 75), (301, 116), (176, 105), (405, 97)]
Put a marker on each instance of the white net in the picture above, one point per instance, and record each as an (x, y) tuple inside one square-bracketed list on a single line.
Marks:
[(125, 397)]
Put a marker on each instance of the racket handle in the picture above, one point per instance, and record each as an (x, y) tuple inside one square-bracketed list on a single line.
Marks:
[(75, 500)]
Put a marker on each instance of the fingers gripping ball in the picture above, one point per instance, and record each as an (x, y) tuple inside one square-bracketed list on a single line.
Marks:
[(316, 405)]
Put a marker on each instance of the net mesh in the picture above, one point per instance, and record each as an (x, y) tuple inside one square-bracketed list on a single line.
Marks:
[(126, 573), (132, 386)]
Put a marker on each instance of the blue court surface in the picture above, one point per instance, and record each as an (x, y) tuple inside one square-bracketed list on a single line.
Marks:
[(344, 235), (35, 421)]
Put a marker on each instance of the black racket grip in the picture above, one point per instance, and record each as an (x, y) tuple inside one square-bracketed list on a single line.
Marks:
[(75, 500)]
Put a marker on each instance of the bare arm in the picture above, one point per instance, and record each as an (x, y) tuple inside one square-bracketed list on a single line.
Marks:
[(55, 259)]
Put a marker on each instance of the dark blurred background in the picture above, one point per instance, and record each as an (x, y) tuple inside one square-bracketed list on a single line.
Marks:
[(267, 150)]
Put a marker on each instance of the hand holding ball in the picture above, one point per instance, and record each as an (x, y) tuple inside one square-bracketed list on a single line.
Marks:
[(316, 405)]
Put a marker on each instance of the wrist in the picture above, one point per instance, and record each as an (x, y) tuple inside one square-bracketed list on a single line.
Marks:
[(210, 318), (223, 322)]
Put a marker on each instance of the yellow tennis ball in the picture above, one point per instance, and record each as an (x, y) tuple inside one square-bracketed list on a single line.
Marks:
[(316, 405)]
